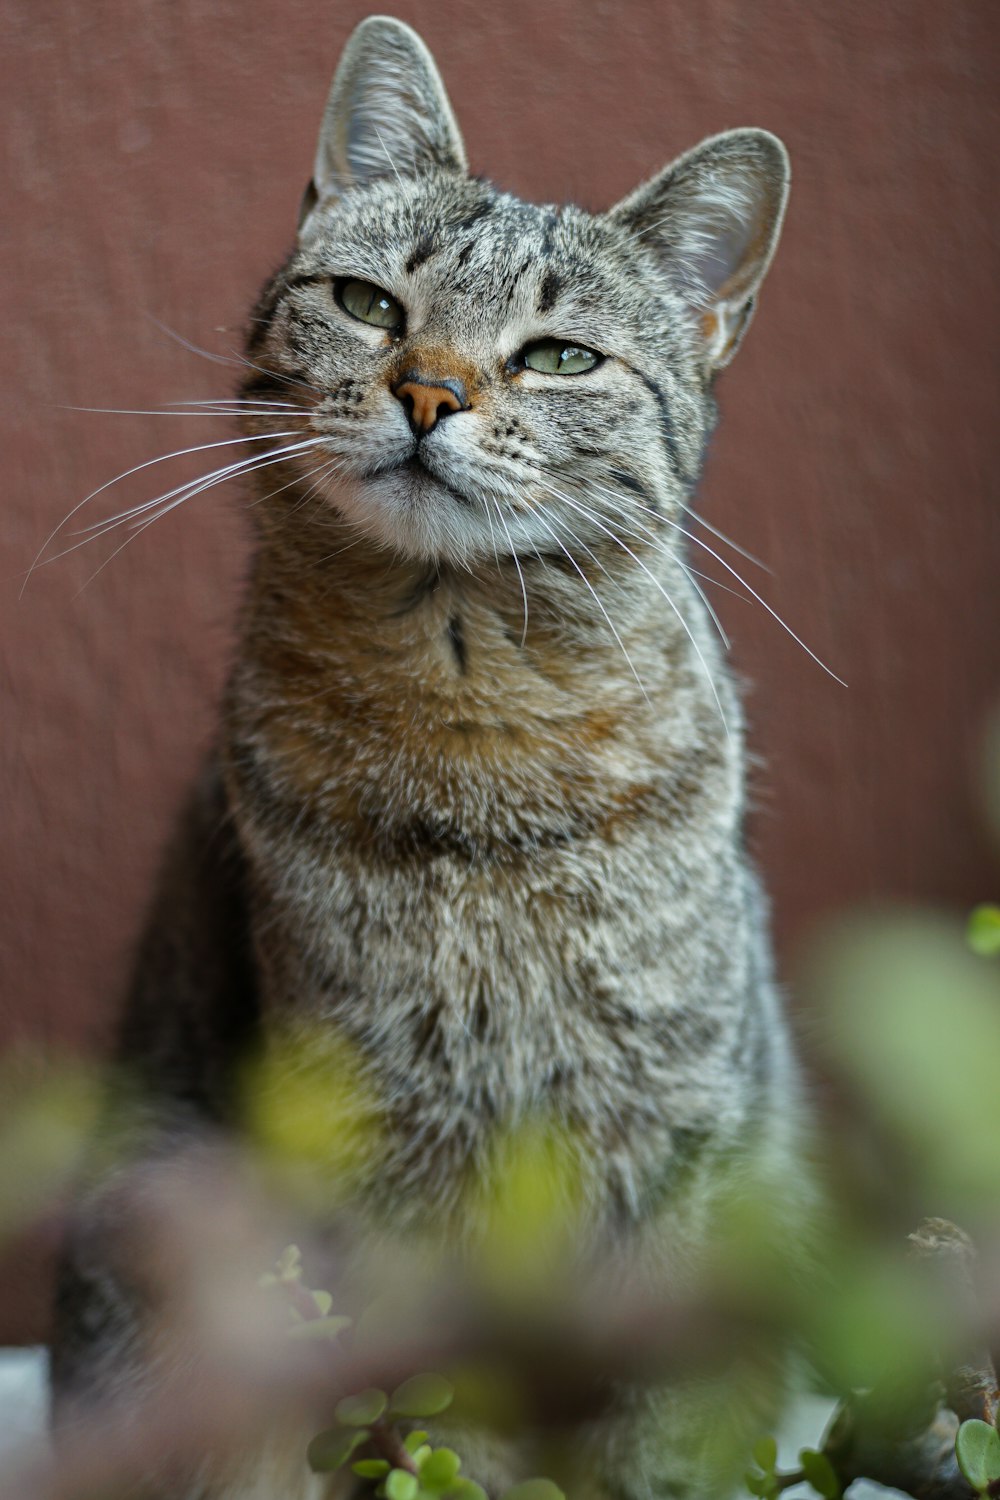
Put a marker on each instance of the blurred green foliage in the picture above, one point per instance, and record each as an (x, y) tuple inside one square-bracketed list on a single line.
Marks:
[(983, 932), (525, 1209), (48, 1113), (912, 1018), (311, 1115)]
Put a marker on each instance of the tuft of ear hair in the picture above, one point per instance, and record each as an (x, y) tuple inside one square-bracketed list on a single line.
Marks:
[(713, 217), (387, 114)]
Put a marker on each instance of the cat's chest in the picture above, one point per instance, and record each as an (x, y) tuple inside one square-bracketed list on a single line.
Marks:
[(478, 999)]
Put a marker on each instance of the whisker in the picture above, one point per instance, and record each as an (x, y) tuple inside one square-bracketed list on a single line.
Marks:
[(716, 583), (520, 574), (493, 535), (645, 533), (729, 541), (231, 408), (231, 359), (268, 437), (139, 527), (236, 471), (594, 520), (699, 542), (149, 462), (772, 612), (324, 469), (596, 597), (182, 493), (707, 603), (234, 401)]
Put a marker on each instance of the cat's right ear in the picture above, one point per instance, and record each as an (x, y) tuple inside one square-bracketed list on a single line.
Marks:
[(387, 115)]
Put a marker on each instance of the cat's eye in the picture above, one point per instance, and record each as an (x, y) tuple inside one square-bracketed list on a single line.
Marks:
[(370, 304), (554, 357)]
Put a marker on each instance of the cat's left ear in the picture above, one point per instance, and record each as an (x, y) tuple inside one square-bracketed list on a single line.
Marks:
[(387, 114), (713, 217)]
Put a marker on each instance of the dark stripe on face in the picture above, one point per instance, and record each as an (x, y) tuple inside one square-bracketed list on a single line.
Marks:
[(422, 250), (475, 215), (629, 482), (549, 291), (518, 274), (666, 425)]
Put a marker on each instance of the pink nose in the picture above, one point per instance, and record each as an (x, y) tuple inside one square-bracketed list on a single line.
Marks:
[(427, 401)]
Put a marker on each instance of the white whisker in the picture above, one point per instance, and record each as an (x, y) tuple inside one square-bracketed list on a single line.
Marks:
[(698, 542), (149, 462), (231, 409), (232, 358), (772, 612), (138, 527), (493, 535), (167, 501), (520, 574), (595, 521), (264, 437), (729, 541), (323, 471), (596, 597)]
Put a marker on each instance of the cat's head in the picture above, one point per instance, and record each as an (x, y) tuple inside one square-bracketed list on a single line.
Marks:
[(489, 376)]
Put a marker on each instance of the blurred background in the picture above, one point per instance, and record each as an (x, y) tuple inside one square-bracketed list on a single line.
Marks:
[(156, 155)]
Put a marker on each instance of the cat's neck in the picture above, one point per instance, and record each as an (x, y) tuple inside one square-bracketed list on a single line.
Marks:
[(365, 679)]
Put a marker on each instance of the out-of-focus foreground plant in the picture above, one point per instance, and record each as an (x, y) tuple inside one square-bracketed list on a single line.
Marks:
[(897, 1310)]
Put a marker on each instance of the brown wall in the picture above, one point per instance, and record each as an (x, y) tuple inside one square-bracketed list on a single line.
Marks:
[(158, 149)]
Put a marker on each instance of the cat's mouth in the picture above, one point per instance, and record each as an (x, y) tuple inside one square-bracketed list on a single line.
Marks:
[(422, 479), (403, 502)]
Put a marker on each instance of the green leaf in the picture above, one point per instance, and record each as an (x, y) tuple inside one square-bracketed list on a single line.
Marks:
[(289, 1264), (763, 1485), (440, 1469), (323, 1301), (765, 1454), (414, 1440), (467, 1489), (318, 1328), (535, 1489), (421, 1396), (820, 1473), (332, 1448), (421, 1453), (977, 1449), (401, 1486), (370, 1468), (361, 1410), (983, 931)]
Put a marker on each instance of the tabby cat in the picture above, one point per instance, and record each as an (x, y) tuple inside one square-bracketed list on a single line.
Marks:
[(480, 765)]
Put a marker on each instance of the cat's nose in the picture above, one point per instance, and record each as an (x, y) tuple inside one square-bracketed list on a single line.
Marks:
[(428, 399)]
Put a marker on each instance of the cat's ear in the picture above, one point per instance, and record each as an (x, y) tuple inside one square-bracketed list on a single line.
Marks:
[(387, 113), (714, 217)]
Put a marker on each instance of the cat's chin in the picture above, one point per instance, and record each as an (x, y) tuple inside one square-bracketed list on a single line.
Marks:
[(413, 512)]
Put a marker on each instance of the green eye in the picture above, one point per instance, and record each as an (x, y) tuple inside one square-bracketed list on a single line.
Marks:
[(553, 357), (370, 304)]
